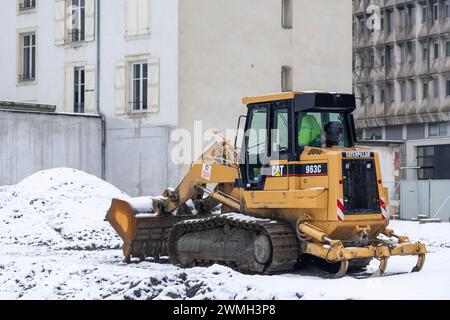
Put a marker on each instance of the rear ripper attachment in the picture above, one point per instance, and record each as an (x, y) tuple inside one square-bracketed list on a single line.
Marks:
[(334, 251)]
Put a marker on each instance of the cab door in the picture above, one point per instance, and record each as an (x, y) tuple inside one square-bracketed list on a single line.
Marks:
[(279, 152), (255, 150), (267, 147)]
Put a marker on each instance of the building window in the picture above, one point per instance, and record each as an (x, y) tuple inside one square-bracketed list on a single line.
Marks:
[(447, 87), (371, 95), (402, 53), (438, 129), (402, 91), (28, 52), (433, 162), (425, 90), (390, 20), (424, 12), (79, 91), (425, 160), (447, 8), (372, 26), (287, 14), (139, 86), (138, 18), (425, 53), (391, 92), (394, 133), (74, 21), (286, 79), (27, 5), (412, 85), (412, 16), (436, 50), (436, 88), (435, 10), (361, 22), (382, 95), (402, 14), (390, 57), (371, 59), (411, 52), (381, 58), (78, 23), (382, 20), (374, 134)]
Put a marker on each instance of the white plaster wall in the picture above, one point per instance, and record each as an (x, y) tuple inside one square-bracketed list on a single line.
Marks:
[(152, 145), (50, 60), (138, 147), (230, 49), (161, 43)]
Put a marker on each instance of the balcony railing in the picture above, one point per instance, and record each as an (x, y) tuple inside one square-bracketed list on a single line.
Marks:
[(76, 35), (27, 77), (78, 108), (27, 5), (137, 106)]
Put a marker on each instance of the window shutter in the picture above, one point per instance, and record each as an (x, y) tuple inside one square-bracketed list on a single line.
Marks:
[(120, 88), (144, 16), (69, 20), (153, 84), (89, 89), (69, 90), (90, 20), (60, 22), (131, 12)]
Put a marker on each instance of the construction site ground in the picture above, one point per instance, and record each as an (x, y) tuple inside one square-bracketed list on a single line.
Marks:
[(54, 244)]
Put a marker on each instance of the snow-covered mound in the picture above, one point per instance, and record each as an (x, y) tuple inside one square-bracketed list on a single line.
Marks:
[(59, 208)]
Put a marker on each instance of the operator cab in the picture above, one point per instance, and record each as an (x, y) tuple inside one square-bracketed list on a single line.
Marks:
[(280, 126)]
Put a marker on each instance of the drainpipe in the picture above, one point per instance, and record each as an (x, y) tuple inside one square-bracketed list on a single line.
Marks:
[(97, 86)]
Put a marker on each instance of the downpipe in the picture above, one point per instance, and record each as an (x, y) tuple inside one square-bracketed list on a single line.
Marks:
[(97, 79)]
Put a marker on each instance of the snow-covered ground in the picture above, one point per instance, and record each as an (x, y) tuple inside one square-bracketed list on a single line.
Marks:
[(54, 244)]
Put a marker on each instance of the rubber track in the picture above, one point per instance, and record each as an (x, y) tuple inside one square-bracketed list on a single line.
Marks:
[(285, 247)]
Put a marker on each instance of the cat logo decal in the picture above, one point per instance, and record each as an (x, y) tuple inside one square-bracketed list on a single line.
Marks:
[(278, 171)]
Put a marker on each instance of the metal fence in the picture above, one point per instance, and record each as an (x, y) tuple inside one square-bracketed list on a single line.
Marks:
[(429, 198)]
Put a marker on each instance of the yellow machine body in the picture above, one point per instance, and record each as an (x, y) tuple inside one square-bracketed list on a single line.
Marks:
[(307, 192)]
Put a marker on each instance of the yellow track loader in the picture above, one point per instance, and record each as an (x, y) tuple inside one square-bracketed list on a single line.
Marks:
[(298, 190)]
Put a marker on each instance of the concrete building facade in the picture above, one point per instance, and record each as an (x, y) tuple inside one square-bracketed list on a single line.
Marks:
[(150, 67), (402, 80)]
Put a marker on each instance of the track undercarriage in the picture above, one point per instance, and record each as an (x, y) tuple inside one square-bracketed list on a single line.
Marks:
[(250, 246)]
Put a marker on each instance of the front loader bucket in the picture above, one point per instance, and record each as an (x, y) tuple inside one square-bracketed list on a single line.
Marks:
[(144, 233)]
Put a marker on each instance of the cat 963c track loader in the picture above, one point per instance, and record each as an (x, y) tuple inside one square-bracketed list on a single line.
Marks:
[(298, 190)]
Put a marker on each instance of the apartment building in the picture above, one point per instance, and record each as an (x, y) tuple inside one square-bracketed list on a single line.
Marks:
[(401, 76), (151, 67)]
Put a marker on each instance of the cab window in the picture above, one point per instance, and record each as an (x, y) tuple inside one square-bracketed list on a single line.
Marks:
[(280, 132), (256, 144), (312, 126)]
